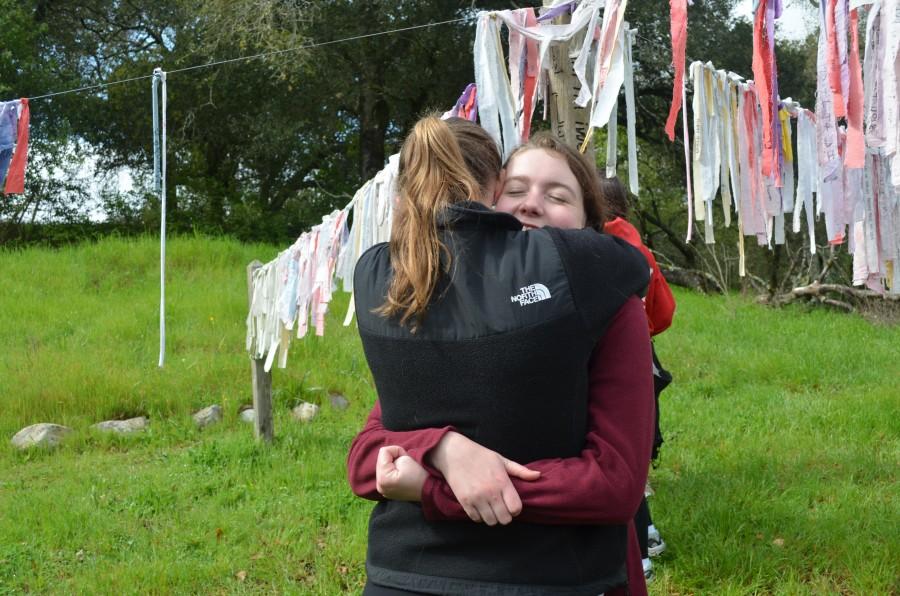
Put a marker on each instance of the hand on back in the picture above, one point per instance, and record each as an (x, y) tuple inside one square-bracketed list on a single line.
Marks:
[(480, 479)]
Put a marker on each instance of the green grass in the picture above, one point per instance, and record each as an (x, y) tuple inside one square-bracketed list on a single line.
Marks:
[(779, 474)]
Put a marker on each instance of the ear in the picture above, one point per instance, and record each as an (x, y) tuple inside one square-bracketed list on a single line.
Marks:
[(501, 182)]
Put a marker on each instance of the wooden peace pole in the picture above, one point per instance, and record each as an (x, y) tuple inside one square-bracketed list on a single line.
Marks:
[(568, 122), (262, 380)]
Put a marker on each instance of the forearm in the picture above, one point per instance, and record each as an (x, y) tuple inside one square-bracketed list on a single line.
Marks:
[(363, 455), (605, 482)]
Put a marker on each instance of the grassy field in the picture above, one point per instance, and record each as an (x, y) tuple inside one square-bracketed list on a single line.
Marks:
[(779, 474)]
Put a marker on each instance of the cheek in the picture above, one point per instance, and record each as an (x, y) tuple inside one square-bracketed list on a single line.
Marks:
[(506, 204), (567, 217)]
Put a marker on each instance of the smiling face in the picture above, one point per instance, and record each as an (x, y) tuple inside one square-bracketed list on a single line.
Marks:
[(541, 190)]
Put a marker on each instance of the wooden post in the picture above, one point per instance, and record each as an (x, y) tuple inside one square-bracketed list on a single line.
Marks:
[(262, 380), (568, 122)]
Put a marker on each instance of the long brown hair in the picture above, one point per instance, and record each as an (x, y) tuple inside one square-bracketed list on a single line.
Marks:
[(432, 175), (584, 171)]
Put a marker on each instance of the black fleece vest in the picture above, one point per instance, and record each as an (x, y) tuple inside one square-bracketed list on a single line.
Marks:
[(502, 355)]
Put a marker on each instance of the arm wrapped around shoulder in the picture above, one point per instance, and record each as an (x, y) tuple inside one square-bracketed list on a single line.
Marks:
[(604, 271)]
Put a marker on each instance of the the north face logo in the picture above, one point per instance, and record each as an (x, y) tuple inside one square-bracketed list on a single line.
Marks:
[(531, 294)]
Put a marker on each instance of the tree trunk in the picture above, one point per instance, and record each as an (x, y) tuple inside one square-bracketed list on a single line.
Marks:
[(373, 123), (774, 264)]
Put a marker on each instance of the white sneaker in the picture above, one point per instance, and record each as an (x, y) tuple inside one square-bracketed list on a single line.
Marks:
[(648, 570), (655, 544)]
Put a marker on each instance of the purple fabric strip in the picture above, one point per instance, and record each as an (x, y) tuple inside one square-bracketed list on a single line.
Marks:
[(464, 98), (557, 11)]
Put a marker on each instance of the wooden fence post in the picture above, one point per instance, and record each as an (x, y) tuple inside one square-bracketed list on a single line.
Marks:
[(568, 122), (262, 380)]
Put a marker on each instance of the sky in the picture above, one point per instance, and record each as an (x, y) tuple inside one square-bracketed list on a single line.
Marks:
[(797, 21)]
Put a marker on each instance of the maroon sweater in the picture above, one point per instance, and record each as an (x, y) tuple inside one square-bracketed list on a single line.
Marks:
[(602, 486)]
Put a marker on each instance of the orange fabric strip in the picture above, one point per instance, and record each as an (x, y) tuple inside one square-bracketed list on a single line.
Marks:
[(678, 27)]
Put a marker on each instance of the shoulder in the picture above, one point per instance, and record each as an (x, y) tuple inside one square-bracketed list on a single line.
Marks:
[(604, 251), (372, 271), (603, 271), (375, 256)]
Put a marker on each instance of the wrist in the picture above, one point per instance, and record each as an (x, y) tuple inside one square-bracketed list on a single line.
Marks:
[(437, 457)]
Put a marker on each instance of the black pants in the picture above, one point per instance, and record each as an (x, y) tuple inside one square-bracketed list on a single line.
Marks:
[(642, 522), (661, 379), (642, 519), (374, 590)]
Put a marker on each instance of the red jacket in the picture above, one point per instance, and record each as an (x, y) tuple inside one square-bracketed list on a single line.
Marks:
[(604, 485), (659, 303)]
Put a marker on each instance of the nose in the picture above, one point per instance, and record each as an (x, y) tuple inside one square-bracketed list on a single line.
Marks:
[(533, 203)]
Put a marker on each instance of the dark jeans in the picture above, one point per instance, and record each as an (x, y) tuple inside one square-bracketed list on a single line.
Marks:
[(373, 590), (642, 521)]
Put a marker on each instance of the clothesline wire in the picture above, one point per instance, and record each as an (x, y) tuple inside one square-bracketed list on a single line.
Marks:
[(252, 57), (289, 50)]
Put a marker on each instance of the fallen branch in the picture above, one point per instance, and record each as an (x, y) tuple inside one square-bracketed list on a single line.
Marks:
[(691, 278), (852, 298)]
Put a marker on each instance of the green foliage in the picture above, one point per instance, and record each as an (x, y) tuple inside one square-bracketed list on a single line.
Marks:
[(778, 474), (261, 149)]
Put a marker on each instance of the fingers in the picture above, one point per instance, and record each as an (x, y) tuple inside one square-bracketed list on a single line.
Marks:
[(498, 509), (472, 512), (512, 501), (387, 456), (516, 470), (386, 468), (501, 512), (487, 513), (394, 451)]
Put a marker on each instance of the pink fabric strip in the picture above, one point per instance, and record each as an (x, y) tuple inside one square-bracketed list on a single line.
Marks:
[(678, 27), (532, 72), (856, 146), (834, 66), (764, 76), (15, 179), (607, 41)]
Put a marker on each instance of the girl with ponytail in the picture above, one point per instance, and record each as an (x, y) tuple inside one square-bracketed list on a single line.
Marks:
[(432, 176)]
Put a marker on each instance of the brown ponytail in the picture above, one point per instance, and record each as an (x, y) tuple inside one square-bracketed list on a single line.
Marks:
[(432, 175)]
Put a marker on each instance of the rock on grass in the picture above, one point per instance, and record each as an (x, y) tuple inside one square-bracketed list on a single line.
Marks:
[(123, 426), (44, 434)]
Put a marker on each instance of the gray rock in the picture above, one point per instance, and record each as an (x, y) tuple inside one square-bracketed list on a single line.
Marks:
[(305, 412), (123, 426), (248, 415), (44, 434), (338, 401), (207, 416)]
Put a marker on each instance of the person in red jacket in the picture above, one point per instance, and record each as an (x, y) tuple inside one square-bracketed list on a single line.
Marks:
[(594, 488), (660, 307)]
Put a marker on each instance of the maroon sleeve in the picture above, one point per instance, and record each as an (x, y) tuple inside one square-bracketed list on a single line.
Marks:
[(605, 483), (364, 451)]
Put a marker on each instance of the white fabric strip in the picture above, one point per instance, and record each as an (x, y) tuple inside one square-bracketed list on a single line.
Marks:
[(612, 136), (633, 185), (496, 103)]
